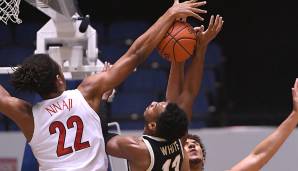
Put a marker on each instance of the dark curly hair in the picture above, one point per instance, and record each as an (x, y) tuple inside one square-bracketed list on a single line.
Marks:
[(36, 74), (172, 123), (199, 141)]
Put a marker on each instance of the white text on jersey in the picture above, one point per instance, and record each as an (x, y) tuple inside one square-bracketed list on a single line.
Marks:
[(169, 149)]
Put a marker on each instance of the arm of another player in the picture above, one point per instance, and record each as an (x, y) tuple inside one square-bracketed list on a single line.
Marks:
[(194, 73), (127, 147), (17, 110), (139, 51), (175, 81), (264, 151)]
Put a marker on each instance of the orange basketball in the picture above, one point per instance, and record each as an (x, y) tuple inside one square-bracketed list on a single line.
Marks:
[(179, 42)]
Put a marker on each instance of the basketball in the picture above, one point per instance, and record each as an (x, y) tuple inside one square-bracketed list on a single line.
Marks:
[(179, 42)]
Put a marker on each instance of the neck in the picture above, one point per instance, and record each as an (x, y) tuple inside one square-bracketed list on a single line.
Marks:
[(195, 167), (52, 95)]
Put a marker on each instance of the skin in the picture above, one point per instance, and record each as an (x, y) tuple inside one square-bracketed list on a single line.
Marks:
[(133, 148)]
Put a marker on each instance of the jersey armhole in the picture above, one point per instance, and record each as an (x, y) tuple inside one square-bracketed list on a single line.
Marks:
[(182, 150), (151, 154), (35, 129)]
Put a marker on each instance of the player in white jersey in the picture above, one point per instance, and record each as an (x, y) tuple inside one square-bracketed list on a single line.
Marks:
[(63, 130)]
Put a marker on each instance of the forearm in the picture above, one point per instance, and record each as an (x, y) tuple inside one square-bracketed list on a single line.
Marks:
[(145, 44), (272, 143), (3, 100), (122, 146), (194, 74), (264, 151), (175, 81)]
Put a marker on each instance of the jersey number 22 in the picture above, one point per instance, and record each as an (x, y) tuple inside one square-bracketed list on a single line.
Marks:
[(78, 145)]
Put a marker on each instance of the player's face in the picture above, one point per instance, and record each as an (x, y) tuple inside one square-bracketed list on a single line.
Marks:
[(193, 150), (153, 110)]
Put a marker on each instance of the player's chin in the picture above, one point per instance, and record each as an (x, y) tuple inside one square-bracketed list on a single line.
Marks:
[(195, 160)]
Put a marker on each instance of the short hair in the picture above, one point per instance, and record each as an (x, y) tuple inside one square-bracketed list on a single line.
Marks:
[(36, 74), (199, 141), (172, 123)]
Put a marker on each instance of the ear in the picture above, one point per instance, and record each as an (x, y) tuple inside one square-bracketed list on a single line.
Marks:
[(60, 79), (152, 126)]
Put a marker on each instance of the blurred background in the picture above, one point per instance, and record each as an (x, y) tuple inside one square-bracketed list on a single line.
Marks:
[(249, 70)]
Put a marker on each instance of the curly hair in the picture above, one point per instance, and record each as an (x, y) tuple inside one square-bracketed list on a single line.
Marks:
[(199, 141), (172, 123), (36, 74)]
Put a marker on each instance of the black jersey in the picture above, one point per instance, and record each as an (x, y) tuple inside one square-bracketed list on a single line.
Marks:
[(165, 155)]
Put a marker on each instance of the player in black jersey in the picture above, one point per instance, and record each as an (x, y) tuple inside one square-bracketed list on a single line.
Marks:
[(166, 122)]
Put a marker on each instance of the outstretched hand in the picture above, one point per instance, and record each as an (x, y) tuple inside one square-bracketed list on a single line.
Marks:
[(295, 96), (204, 37), (188, 9)]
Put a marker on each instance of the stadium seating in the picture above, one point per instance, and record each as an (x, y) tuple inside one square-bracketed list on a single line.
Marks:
[(132, 104), (111, 53), (146, 80), (123, 32)]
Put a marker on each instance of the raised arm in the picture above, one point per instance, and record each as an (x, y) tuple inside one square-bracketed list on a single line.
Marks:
[(175, 81), (264, 151), (17, 110), (139, 51), (194, 73)]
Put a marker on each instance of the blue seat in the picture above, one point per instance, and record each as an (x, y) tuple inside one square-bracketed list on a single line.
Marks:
[(14, 127), (2, 124), (26, 33), (146, 80), (5, 35), (214, 55), (156, 61), (112, 53), (209, 81), (197, 124), (72, 84), (132, 125), (11, 56), (201, 105), (131, 104), (120, 31), (4, 81)]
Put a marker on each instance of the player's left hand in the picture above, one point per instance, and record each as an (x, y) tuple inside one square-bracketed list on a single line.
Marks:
[(204, 37)]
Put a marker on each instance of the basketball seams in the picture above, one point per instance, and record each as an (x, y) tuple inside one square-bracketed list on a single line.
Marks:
[(172, 37), (178, 41)]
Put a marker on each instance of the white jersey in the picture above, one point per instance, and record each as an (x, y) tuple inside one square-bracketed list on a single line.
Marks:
[(67, 135)]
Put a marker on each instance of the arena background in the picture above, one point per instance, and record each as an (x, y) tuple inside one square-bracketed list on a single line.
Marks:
[(253, 67)]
